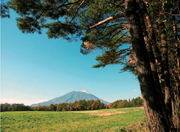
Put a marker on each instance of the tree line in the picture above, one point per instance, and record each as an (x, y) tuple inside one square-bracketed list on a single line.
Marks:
[(127, 103), (75, 106), (14, 107)]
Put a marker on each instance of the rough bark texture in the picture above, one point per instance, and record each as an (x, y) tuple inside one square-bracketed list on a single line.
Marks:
[(148, 42), (152, 105), (153, 43), (166, 74), (177, 88)]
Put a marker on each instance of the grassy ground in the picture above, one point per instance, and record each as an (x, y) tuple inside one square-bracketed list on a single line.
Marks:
[(108, 120)]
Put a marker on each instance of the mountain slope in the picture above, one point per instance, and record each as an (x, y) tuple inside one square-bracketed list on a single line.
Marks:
[(71, 97)]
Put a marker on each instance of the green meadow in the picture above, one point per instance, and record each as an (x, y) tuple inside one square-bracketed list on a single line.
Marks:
[(106, 120)]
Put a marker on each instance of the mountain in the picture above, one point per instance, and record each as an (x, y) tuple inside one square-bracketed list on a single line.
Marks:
[(71, 97)]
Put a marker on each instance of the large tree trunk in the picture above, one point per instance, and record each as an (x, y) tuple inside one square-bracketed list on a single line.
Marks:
[(164, 70), (152, 104), (153, 44), (148, 39), (176, 103), (166, 74), (178, 86)]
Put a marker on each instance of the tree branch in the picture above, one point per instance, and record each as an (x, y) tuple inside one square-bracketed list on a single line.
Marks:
[(63, 5), (120, 37), (77, 10), (106, 20), (176, 15)]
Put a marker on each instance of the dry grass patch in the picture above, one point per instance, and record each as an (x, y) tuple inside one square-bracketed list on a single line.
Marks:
[(108, 114), (86, 111), (138, 127), (102, 113)]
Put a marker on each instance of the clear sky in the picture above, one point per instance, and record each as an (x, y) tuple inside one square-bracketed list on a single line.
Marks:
[(35, 68)]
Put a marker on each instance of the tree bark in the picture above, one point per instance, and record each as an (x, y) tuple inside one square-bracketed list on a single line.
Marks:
[(153, 43), (178, 87), (149, 40), (154, 113), (176, 103), (166, 74)]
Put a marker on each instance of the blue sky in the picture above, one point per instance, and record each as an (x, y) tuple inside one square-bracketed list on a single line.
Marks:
[(35, 68)]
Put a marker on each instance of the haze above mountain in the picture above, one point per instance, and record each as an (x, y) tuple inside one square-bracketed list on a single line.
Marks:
[(71, 97)]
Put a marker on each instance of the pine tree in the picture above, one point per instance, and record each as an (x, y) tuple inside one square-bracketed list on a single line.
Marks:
[(147, 31)]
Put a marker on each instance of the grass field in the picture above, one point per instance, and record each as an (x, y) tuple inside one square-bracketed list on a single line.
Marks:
[(107, 120)]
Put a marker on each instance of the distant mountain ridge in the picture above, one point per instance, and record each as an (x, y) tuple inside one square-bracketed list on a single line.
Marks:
[(71, 97)]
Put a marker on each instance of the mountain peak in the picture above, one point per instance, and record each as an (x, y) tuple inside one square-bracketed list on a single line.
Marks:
[(84, 91), (71, 97)]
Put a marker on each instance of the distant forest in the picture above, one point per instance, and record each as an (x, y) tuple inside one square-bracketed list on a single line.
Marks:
[(75, 106)]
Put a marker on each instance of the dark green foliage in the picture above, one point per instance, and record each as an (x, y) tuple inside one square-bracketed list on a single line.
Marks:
[(61, 106), (15, 107), (39, 14), (52, 107), (4, 10), (81, 105), (124, 103), (59, 29)]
